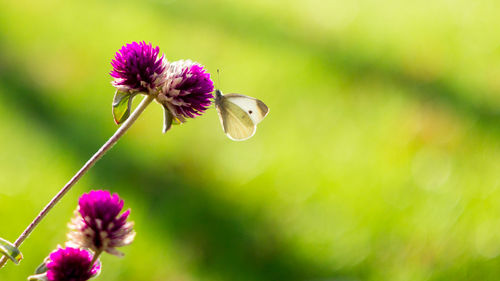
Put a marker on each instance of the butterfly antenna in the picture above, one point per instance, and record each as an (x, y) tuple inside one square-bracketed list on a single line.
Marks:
[(218, 79)]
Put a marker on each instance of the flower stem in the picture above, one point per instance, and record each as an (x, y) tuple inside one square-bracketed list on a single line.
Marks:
[(94, 259), (118, 134)]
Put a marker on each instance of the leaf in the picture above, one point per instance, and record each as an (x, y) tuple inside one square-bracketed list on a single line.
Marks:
[(8, 249), (167, 120), (122, 102), (42, 268), (40, 272), (38, 277)]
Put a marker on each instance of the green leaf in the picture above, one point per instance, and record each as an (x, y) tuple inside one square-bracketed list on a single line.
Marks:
[(8, 249), (40, 272), (38, 277), (122, 102), (167, 119), (42, 268)]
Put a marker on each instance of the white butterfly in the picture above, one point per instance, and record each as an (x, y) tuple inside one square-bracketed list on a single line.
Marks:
[(239, 114)]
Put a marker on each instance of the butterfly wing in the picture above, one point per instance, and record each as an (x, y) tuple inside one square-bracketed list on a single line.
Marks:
[(255, 108), (236, 122)]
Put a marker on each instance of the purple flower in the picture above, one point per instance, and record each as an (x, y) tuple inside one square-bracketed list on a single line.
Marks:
[(98, 225), (187, 91), (137, 68), (71, 264)]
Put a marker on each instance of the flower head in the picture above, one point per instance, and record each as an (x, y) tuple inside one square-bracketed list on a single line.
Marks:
[(71, 264), (98, 224), (187, 91), (137, 68)]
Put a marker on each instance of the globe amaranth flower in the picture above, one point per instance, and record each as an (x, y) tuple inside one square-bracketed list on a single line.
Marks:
[(186, 92), (98, 225), (71, 264), (137, 67)]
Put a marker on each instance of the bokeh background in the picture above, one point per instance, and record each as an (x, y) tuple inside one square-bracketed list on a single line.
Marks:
[(379, 159)]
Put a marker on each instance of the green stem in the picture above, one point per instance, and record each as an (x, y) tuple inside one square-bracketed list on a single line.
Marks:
[(94, 259), (110, 143)]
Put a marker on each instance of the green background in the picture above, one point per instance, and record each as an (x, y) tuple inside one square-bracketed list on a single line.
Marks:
[(379, 159)]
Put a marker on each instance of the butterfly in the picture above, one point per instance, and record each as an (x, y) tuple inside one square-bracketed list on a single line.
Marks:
[(239, 114)]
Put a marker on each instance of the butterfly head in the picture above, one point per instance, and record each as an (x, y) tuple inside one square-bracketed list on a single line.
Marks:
[(218, 94)]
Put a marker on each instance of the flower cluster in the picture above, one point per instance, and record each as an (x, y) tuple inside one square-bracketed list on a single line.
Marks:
[(137, 68), (71, 264), (182, 87), (97, 227), (187, 91)]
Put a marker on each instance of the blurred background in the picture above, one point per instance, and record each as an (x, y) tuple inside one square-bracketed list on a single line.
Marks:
[(379, 159)]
